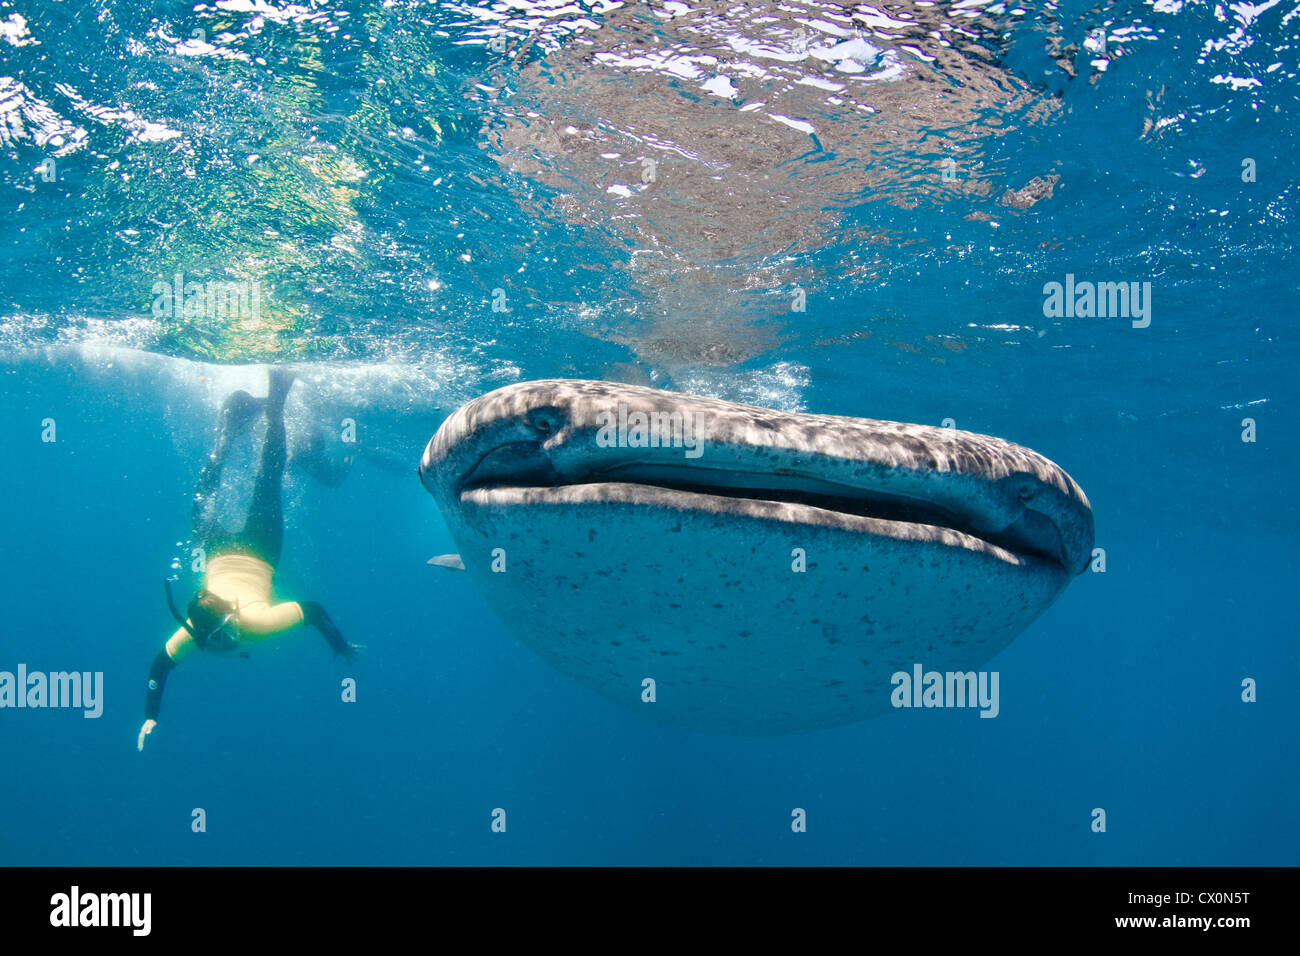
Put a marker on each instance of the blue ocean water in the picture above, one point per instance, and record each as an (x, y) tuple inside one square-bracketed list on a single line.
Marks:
[(845, 209)]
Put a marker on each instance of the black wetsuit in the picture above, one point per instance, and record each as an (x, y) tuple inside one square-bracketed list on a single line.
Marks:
[(263, 531), (262, 535)]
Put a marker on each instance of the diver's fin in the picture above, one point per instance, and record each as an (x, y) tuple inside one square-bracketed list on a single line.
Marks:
[(237, 413), (239, 409), (452, 561), (278, 382)]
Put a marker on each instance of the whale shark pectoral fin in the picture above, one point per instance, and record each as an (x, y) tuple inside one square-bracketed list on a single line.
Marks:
[(452, 561)]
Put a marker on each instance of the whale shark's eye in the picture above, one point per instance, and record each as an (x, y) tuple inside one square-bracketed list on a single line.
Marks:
[(1027, 492), (545, 420)]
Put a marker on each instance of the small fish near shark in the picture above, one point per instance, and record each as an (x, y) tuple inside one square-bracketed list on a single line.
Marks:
[(767, 570)]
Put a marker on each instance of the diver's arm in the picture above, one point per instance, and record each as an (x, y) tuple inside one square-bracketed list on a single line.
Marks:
[(314, 614), (158, 671), (261, 622), (176, 649)]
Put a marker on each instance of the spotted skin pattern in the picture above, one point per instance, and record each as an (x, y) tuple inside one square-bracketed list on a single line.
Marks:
[(613, 582)]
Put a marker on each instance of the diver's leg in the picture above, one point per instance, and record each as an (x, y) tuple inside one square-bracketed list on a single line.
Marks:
[(236, 412), (264, 530)]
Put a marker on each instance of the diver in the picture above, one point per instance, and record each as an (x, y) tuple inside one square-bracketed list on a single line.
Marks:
[(234, 607)]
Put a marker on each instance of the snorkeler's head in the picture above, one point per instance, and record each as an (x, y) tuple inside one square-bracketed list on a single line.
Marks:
[(213, 622)]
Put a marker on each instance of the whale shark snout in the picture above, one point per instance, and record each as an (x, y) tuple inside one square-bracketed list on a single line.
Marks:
[(746, 554)]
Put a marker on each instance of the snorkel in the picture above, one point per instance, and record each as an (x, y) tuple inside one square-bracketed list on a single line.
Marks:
[(171, 606)]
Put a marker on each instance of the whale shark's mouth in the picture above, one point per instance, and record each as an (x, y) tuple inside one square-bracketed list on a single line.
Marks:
[(524, 465)]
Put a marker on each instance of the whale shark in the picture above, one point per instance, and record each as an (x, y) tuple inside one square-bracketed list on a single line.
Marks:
[(728, 568)]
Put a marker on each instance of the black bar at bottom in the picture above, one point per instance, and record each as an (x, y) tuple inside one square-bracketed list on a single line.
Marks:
[(333, 906)]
